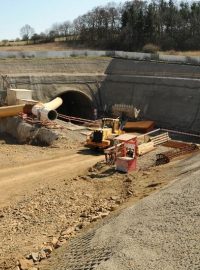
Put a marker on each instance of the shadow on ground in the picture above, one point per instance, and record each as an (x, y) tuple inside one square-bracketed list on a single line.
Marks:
[(5, 138)]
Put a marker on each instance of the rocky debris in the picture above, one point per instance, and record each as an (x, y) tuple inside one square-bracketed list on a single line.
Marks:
[(103, 215), (153, 185), (25, 264), (146, 173), (129, 192), (85, 177), (94, 214), (55, 213), (95, 218), (60, 243), (129, 179), (97, 167), (91, 169), (93, 175), (84, 215), (35, 256), (47, 250), (113, 207), (114, 198), (54, 241), (42, 255), (79, 227), (67, 232)]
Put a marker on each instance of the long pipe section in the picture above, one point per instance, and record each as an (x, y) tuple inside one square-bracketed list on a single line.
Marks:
[(44, 111), (11, 110), (54, 104)]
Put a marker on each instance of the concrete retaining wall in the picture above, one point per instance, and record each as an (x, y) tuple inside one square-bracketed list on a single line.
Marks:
[(91, 53), (146, 68), (170, 102), (167, 93)]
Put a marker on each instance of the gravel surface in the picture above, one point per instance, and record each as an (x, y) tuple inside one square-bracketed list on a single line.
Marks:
[(161, 231)]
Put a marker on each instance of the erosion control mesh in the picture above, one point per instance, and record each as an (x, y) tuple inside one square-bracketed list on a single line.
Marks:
[(81, 254)]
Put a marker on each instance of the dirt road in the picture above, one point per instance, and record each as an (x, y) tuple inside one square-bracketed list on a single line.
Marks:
[(22, 179)]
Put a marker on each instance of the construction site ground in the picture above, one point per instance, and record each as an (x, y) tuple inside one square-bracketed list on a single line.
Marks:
[(50, 194), (52, 46)]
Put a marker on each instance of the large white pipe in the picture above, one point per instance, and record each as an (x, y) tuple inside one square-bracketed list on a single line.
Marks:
[(54, 104), (44, 114), (47, 111)]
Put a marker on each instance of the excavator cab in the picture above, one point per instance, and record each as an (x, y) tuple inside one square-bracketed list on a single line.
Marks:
[(102, 138), (114, 124)]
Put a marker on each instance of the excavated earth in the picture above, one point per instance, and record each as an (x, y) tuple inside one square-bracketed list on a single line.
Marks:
[(48, 195), (51, 197), (161, 231)]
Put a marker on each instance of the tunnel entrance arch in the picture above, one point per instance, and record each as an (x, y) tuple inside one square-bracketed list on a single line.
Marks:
[(77, 104)]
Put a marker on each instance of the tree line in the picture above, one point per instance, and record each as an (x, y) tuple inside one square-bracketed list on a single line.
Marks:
[(133, 26)]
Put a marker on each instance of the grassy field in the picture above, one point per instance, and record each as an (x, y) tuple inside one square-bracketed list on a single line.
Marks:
[(53, 46), (61, 46)]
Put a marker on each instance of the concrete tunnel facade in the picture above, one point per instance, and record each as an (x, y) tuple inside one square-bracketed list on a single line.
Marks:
[(167, 93)]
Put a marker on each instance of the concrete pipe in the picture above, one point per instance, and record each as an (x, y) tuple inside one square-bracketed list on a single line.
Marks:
[(43, 113), (46, 114), (47, 111), (54, 104)]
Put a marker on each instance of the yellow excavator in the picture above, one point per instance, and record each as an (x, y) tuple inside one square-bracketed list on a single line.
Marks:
[(102, 138)]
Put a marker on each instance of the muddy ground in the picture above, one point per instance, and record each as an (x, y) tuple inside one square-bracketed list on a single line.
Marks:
[(50, 194)]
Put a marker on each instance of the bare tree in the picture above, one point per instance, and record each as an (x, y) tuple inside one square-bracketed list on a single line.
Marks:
[(65, 28), (56, 29), (26, 32)]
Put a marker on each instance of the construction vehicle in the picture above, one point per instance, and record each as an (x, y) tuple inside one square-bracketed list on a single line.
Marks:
[(102, 138)]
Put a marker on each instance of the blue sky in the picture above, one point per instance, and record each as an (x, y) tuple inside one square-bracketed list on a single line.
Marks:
[(41, 14)]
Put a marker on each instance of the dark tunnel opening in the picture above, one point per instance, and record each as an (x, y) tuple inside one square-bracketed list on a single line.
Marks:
[(76, 104)]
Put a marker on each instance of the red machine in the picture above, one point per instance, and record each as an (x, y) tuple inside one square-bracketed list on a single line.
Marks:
[(124, 153)]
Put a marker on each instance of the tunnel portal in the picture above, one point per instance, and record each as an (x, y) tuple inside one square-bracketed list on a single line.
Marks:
[(76, 104)]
